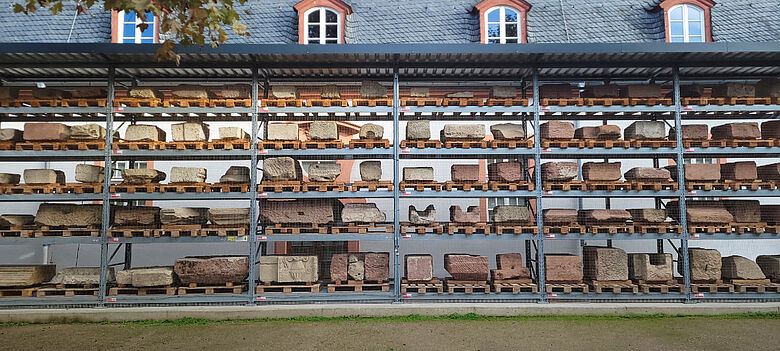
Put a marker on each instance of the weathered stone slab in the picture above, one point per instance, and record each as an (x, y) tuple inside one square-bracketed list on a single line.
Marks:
[(14, 276), (642, 90), (90, 131), (89, 173), (297, 212), (770, 214), (10, 134), (330, 92), (44, 176), (423, 217), (232, 133), (769, 172), (142, 176), (228, 217), (768, 87), (503, 92), (738, 267), (418, 130), (289, 269), (559, 171), (323, 130), (282, 131), (371, 131), (769, 130), (362, 213), (601, 171), (604, 263), (183, 215), (418, 173), (356, 266), (281, 168), (186, 91), (648, 215), (743, 170), (701, 212), (462, 131), (507, 131), (691, 132), (418, 267), (511, 214), (506, 172), (212, 270), (734, 90), (467, 267), (603, 132), (144, 93), (377, 266), (10, 178), (190, 131), (372, 90), (324, 172), (648, 174), (472, 214), (705, 264), (562, 268), (645, 130), (136, 216), (46, 131), (603, 216), (419, 92), (744, 211), (338, 267), (236, 174), (460, 95), (510, 266), (236, 91), (144, 132), (284, 92), (81, 276), (556, 130), (653, 267), (146, 277), (559, 216), (770, 266), (8, 220), (69, 215), (188, 175), (741, 130), (465, 173), (370, 170), (699, 172), (555, 91), (601, 91)]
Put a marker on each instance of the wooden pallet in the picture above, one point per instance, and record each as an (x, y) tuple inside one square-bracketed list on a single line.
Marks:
[(751, 185), (432, 228), (135, 188), (656, 228), (362, 228), (179, 230), (703, 101), (18, 292), (650, 101), (422, 287), (421, 144), (521, 185), (606, 101), (322, 144), (228, 144), (465, 186), (420, 185), (372, 102), (279, 186), (227, 188), (653, 143), (32, 188), (324, 186), (225, 102), (711, 287), (614, 287), (76, 145), (372, 185), (690, 185), (287, 288), (46, 231), (26, 231), (694, 228), (773, 228), (145, 291), (183, 187), (563, 101), (32, 103), (326, 103), (607, 144), (184, 145), (652, 186), (131, 232), (511, 143), (567, 186), (661, 288), (194, 289), (369, 144), (514, 286), (750, 143), (466, 286), (467, 228), (83, 102), (420, 102), (359, 286), (137, 102), (462, 102), (703, 143), (80, 188), (278, 145), (281, 103), (465, 144), (748, 228), (515, 228), (749, 100), (69, 145), (7, 145), (213, 230), (138, 145), (563, 229), (595, 228), (507, 102), (607, 186), (563, 144), (310, 228), (759, 286), (67, 291), (566, 288)]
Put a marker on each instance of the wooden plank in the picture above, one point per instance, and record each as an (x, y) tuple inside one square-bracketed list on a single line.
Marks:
[(145, 291), (467, 228), (421, 144), (467, 287), (465, 186), (323, 186), (432, 228), (564, 186), (358, 286), (511, 143), (465, 144), (607, 186), (563, 144), (278, 144), (422, 287), (279, 186), (372, 102), (322, 144), (372, 185), (369, 144), (508, 102), (228, 144), (281, 103), (287, 288), (607, 144), (515, 186), (421, 102), (296, 229), (326, 103), (420, 186), (652, 186), (228, 288)]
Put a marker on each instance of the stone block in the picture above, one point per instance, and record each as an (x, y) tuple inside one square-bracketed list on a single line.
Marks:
[(419, 92), (701, 212), (769, 130), (648, 174), (691, 132), (362, 213), (601, 91), (284, 92), (418, 130), (371, 131), (297, 212), (743, 170), (645, 130), (510, 266), (330, 92), (604, 263), (507, 131), (562, 268), (212, 270), (705, 265), (281, 168), (418, 174), (689, 90), (648, 215), (769, 172), (601, 171), (190, 131), (338, 267), (144, 132), (44, 176), (462, 131), (472, 214), (460, 95), (356, 267), (49, 93), (10, 134), (289, 269), (503, 92), (232, 133), (738, 267), (744, 211), (506, 172), (465, 173), (603, 132), (148, 216), (81, 276), (46, 131), (236, 91), (188, 175), (183, 216), (741, 130), (372, 90), (236, 174), (559, 171), (642, 91), (324, 171), (142, 176), (426, 216), (511, 214), (228, 217), (370, 170), (699, 172), (770, 266), (556, 130), (282, 131), (9, 220), (186, 91), (69, 215), (653, 267), (555, 91), (145, 277), (90, 131), (87, 93), (559, 216), (418, 267), (89, 174), (9, 92), (377, 266), (144, 93), (768, 87), (10, 178), (770, 214), (734, 90), (603, 216), (16, 276), (467, 267), (323, 130)]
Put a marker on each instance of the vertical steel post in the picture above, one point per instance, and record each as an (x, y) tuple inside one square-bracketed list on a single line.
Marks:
[(683, 255), (538, 189), (396, 193), (253, 212), (105, 195)]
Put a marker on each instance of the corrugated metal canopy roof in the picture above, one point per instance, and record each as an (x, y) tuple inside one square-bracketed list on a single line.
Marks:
[(444, 61)]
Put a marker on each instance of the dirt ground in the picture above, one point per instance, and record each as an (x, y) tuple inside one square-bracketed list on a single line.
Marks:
[(692, 333)]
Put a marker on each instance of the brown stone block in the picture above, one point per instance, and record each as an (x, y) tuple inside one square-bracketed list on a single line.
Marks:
[(601, 91), (465, 173), (603, 132), (559, 171), (506, 172), (46, 131), (555, 91), (654, 267), (738, 267), (562, 268), (734, 90), (418, 267), (769, 172), (705, 264), (770, 214), (377, 266), (472, 214), (510, 266), (604, 263), (556, 130), (603, 216), (770, 130), (648, 174), (601, 171), (741, 130), (770, 265), (559, 216), (338, 267), (297, 212), (744, 211), (701, 172), (467, 267), (137, 216), (642, 91), (743, 170), (691, 132)]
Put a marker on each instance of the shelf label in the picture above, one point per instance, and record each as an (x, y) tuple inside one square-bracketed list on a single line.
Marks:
[(546, 150), (111, 300), (405, 109), (548, 193), (260, 298), (406, 236), (549, 236), (262, 109), (237, 238), (262, 194), (690, 149), (545, 108), (115, 195), (692, 193), (406, 151), (406, 296), (687, 108), (262, 238), (113, 240), (119, 109), (406, 193), (552, 296), (695, 236), (116, 152), (698, 295), (262, 152)]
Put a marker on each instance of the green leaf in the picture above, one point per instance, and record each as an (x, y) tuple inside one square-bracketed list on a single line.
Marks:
[(19, 8)]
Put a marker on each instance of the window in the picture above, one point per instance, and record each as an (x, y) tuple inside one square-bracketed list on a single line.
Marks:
[(686, 24), (502, 25), (130, 33), (322, 26)]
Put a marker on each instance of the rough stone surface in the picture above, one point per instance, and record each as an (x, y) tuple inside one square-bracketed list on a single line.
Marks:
[(738, 267), (418, 173), (190, 131), (654, 267), (323, 130), (44, 176), (212, 270), (770, 266), (356, 267), (229, 217), (16, 276), (465, 173), (281, 168), (562, 268), (324, 172), (236, 174), (691, 132), (146, 277), (419, 92), (330, 92), (282, 131), (236, 91), (144, 132), (734, 90), (769, 130), (90, 131), (377, 265), (743, 170), (9, 93), (8, 220), (371, 131), (10, 134), (232, 133), (741, 130), (467, 267), (185, 91), (603, 132), (338, 267), (137, 216), (601, 91), (604, 263), (188, 175), (472, 214), (46, 131), (89, 173), (700, 172), (601, 171), (744, 211), (506, 172), (362, 213), (289, 269), (769, 172), (69, 215), (645, 130), (418, 267), (503, 92), (49, 93), (297, 212), (372, 90), (10, 178), (559, 216), (418, 130), (87, 93), (507, 131), (648, 215), (705, 264), (768, 87), (142, 176), (603, 216), (371, 170), (144, 93), (462, 131), (423, 217), (689, 90), (511, 213), (642, 90), (460, 94), (709, 216), (555, 91), (648, 174), (770, 214), (510, 266), (81, 276), (559, 171), (556, 130), (284, 92), (183, 215)]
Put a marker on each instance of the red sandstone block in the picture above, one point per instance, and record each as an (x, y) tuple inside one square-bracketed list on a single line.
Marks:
[(691, 132), (642, 91), (601, 171), (465, 173), (510, 266), (467, 267), (46, 131), (769, 172), (601, 91), (556, 130), (559, 216), (562, 268), (555, 91), (506, 172), (603, 132), (770, 214), (698, 172), (770, 130), (742, 130), (418, 267), (744, 170)]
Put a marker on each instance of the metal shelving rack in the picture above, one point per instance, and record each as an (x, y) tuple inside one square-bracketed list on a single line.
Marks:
[(390, 69)]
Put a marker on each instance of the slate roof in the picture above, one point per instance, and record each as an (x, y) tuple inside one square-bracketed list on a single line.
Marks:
[(433, 21)]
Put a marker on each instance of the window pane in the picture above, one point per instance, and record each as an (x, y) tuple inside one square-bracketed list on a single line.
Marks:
[(331, 17), (494, 30), (694, 12), (149, 32), (331, 41), (511, 15), (676, 14), (694, 28), (511, 41), (128, 40), (494, 16), (314, 41), (147, 41), (511, 30), (314, 16), (314, 31), (129, 16), (493, 41), (696, 39), (331, 31), (129, 30), (677, 39), (677, 28)]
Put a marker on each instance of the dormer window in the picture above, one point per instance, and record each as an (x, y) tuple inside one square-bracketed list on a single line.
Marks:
[(502, 21), (128, 30), (322, 21), (687, 21)]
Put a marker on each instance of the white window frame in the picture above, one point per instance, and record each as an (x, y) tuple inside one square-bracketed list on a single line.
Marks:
[(502, 24), (137, 35), (322, 39), (686, 20)]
